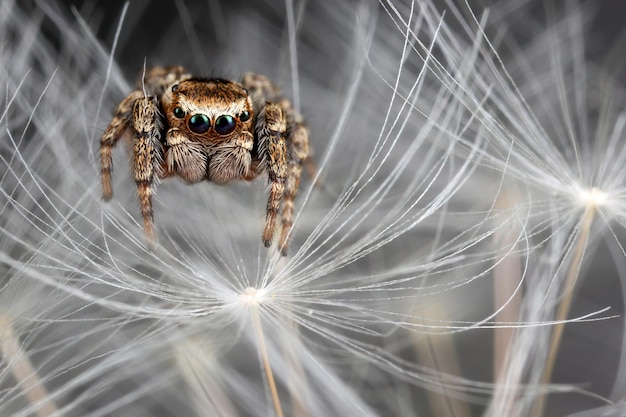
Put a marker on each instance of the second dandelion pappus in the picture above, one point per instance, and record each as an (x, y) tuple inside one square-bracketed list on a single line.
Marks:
[(210, 129)]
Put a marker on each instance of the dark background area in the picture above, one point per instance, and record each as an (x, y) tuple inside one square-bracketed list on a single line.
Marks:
[(148, 21)]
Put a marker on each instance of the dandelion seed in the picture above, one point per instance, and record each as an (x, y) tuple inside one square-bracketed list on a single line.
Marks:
[(593, 197), (252, 297)]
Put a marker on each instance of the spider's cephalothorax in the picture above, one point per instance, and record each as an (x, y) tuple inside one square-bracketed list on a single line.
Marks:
[(210, 129)]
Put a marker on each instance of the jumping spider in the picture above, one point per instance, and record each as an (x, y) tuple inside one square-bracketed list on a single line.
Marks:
[(210, 129)]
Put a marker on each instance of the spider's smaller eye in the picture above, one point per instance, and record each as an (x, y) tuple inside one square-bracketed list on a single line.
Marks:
[(244, 116), (225, 124), (174, 87), (199, 123), (178, 112)]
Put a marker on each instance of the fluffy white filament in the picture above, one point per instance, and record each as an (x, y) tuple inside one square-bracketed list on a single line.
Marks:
[(458, 250)]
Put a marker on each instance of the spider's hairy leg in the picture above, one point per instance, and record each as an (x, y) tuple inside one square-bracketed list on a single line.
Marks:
[(146, 157), (271, 128), (157, 79), (260, 88), (109, 139), (298, 148)]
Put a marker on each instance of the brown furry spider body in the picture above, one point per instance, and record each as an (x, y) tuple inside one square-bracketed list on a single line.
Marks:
[(210, 129)]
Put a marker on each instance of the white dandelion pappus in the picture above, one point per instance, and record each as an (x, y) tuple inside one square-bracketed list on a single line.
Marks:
[(554, 122), (391, 253)]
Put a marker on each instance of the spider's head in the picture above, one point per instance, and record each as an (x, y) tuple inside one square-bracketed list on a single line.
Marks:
[(217, 115), (212, 110)]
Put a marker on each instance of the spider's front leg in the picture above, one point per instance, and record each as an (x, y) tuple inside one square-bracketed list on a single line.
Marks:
[(147, 155), (297, 155), (271, 128), (109, 139)]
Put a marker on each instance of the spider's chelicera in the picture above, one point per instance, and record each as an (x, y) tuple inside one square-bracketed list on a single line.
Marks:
[(210, 129)]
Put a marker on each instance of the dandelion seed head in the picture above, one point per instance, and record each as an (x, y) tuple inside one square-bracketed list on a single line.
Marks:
[(252, 297), (592, 197)]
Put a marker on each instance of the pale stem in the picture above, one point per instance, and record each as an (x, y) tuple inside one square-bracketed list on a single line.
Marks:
[(564, 307), (438, 352), (209, 396), (296, 374), (23, 372), (256, 321), (507, 276)]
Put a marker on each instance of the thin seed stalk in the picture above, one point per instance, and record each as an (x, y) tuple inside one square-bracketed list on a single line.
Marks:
[(256, 321), (23, 371), (438, 353), (564, 307), (507, 277), (296, 373), (209, 396)]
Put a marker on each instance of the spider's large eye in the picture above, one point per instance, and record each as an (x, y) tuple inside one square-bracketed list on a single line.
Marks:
[(225, 124), (179, 112), (244, 116), (199, 123)]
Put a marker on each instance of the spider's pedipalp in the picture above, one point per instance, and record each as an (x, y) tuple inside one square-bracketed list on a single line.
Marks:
[(184, 158)]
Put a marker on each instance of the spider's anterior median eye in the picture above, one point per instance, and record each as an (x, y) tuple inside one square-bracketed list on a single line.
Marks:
[(199, 123), (178, 112), (225, 124), (244, 116)]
